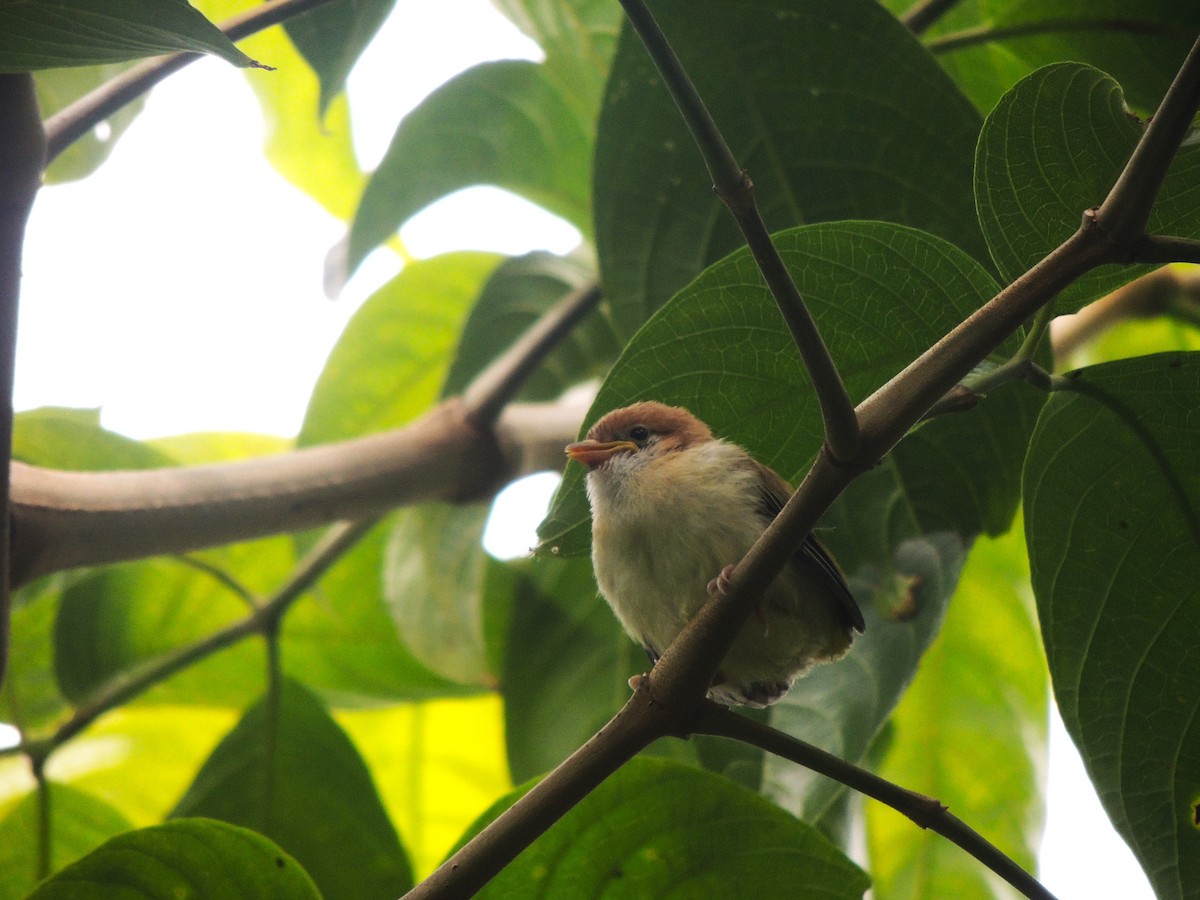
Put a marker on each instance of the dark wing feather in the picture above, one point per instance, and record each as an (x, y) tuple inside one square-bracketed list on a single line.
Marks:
[(811, 556)]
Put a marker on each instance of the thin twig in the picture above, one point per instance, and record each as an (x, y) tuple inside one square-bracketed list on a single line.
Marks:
[(73, 121), (735, 189), (495, 386), (1165, 248), (987, 34), (920, 16), (924, 811), (220, 576)]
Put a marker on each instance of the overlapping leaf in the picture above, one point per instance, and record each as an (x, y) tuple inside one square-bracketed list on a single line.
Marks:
[(187, 858), (519, 291), (889, 137), (502, 123), (53, 33), (332, 37), (657, 828), (1052, 148), (1112, 518), (971, 731), (288, 771)]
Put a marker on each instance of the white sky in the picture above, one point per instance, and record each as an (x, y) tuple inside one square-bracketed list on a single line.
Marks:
[(191, 300)]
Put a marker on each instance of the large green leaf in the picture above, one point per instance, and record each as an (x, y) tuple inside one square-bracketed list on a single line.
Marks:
[(657, 828), (79, 823), (502, 123), (888, 137), (987, 46), (341, 640), (56, 88), (434, 585), (388, 365), (1112, 519), (288, 771), (332, 37), (578, 38), (568, 664), (1052, 148), (189, 858), (881, 294), (970, 731), (518, 293), (53, 33)]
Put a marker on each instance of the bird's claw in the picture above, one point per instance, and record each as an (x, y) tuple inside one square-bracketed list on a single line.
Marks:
[(719, 586)]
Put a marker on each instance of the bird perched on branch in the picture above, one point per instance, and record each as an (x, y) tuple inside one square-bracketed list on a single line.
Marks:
[(672, 507)]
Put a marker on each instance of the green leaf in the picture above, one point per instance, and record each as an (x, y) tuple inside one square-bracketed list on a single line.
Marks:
[(79, 823), (578, 38), (1112, 487), (388, 365), (881, 294), (657, 828), (31, 699), (57, 88), (515, 296), (502, 123), (288, 771), (983, 675), (123, 618), (189, 858), (889, 137), (438, 765), (332, 38), (60, 438), (341, 640), (568, 664), (1053, 148), (52, 33), (434, 586)]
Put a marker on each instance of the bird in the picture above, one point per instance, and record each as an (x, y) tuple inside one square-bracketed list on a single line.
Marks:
[(672, 507)]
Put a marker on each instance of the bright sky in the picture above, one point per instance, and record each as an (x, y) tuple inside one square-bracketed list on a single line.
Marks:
[(191, 300)]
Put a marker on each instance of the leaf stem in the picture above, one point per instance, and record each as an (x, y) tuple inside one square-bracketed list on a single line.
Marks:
[(45, 830), (921, 15), (924, 811), (73, 121), (736, 190)]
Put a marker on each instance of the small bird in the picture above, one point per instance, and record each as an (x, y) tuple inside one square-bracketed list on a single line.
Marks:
[(672, 506)]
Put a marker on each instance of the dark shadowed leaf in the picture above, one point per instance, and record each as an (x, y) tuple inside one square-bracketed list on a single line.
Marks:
[(332, 37), (889, 137), (657, 828), (79, 823), (189, 858), (1112, 520), (53, 33), (1052, 148), (500, 123), (289, 771)]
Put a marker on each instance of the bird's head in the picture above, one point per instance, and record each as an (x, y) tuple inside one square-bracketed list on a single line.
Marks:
[(648, 430)]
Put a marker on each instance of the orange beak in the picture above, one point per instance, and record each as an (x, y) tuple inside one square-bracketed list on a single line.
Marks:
[(594, 453)]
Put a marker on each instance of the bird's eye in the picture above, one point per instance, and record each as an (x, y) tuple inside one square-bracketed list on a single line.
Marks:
[(639, 433)]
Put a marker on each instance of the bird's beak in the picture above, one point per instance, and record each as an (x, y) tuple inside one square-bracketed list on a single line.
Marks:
[(594, 453)]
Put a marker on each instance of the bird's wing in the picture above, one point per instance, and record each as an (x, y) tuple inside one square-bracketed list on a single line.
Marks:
[(811, 555)]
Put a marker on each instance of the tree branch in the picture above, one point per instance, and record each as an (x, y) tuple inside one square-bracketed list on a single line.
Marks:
[(73, 121), (987, 34), (62, 520), (1165, 248), (22, 154), (735, 189)]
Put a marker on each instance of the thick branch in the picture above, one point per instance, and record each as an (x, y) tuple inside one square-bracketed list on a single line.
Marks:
[(22, 153), (62, 520), (735, 189), (72, 122)]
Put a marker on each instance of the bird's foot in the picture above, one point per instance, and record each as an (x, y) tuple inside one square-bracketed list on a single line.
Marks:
[(720, 585)]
